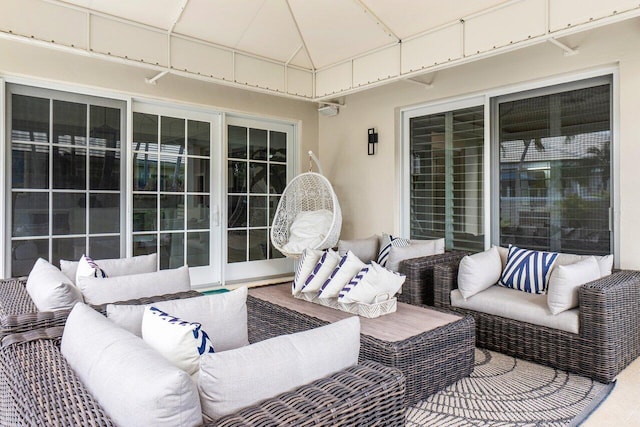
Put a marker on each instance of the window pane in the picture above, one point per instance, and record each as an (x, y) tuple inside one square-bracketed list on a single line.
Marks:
[(172, 135), (171, 250), (104, 247), (555, 171), (144, 244), (69, 123), (273, 252), (145, 132), (237, 215), (258, 211), (197, 212), (446, 177), (171, 212), (104, 213), (68, 248), (273, 205), (199, 136), (197, 249), (258, 177), (237, 140), (30, 213), (277, 178), (257, 144), (198, 181), (145, 212), (24, 254), (237, 246), (69, 213), (277, 146), (145, 172), (69, 168), (237, 177), (30, 166), (172, 173), (258, 244), (104, 170), (30, 118), (104, 127)]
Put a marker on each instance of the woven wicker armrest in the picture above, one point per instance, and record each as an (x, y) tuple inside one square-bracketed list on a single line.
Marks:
[(445, 279), (418, 285)]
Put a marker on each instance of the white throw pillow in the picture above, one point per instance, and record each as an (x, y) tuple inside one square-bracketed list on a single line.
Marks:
[(344, 272), (322, 270), (306, 264), (223, 316), (416, 249), (88, 268), (123, 288), (308, 230), (116, 267), (479, 271), (232, 380), (565, 280), (50, 289), (372, 284), (181, 342), (387, 242), (605, 262), (134, 384), (365, 249)]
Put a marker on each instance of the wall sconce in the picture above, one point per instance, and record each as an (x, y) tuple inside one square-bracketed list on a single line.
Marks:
[(373, 140)]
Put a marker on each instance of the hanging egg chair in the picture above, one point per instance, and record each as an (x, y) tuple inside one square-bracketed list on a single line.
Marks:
[(308, 214)]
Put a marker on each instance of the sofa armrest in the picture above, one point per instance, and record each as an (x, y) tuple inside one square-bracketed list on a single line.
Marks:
[(445, 279), (418, 285)]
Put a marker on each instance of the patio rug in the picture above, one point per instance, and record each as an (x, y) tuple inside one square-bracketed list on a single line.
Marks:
[(505, 391)]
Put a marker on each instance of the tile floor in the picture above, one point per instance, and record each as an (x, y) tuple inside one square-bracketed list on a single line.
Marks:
[(622, 407)]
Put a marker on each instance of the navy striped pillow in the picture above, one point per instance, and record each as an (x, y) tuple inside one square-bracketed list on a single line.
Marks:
[(527, 270), (385, 248)]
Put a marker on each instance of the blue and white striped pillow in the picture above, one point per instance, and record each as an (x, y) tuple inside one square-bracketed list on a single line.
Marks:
[(306, 264), (385, 248), (87, 267), (344, 272), (527, 270), (373, 283), (322, 270)]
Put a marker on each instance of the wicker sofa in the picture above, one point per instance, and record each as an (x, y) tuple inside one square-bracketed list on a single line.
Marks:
[(609, 327)]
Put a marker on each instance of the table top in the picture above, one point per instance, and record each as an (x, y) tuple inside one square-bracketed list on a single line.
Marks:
[(406, 322)]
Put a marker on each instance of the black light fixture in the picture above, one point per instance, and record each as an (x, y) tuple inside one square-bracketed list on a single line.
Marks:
[(373, 140)]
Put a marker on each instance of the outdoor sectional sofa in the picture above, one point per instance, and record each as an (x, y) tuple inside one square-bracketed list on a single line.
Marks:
[(609, 326)]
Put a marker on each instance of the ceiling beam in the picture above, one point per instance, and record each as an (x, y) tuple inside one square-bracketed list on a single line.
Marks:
[(304, 43), (377, 20)]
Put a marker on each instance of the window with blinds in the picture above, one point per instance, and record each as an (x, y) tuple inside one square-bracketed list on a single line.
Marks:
[(446, 194), (555, 171)]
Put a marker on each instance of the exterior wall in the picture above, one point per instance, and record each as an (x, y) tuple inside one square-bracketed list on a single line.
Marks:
[(368, 187)]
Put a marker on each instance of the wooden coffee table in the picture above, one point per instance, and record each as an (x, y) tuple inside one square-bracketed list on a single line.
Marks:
[(432, 348)]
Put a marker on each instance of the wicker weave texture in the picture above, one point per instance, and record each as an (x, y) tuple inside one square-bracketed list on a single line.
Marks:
[(609, 337), (306, 192)]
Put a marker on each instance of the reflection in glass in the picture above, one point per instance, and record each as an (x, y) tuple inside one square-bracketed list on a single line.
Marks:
[(237, 177), (273, 206), (172, 135), (69, 168), (258, 211), (199, 135), (104, 170), (145, 172), (104, 213), (69, 123), (145, 132), (277, 146), (30, 213), (198, 249), (277, 178), (104, 247), (237, 246), (171, 212), (24, 254), (258, 244), (145, 212), (198, 212), (144, 244), (29, 118), (104, 127), (30, 166), (171, 250), (69, 214), (274, 253), (257, 144), (257, 177), (237, 141), (68, 248), (237, 214), (172, 173), (198, 180)]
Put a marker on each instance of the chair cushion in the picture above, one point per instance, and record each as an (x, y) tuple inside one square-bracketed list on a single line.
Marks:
[(50, 289), (344, 272), (134, 384), (519, 306), (372, 284), (223, 316), (322, 270), (116, 267), (306, 264), (565, 280), (308, 230), (415, 249), (527, 270), (387, 242), (479, 271), (231, 380), (181, 342), (122, 288), (365, 249)]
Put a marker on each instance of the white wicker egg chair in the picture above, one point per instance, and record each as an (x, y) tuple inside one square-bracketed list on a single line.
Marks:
[(309, 191)]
